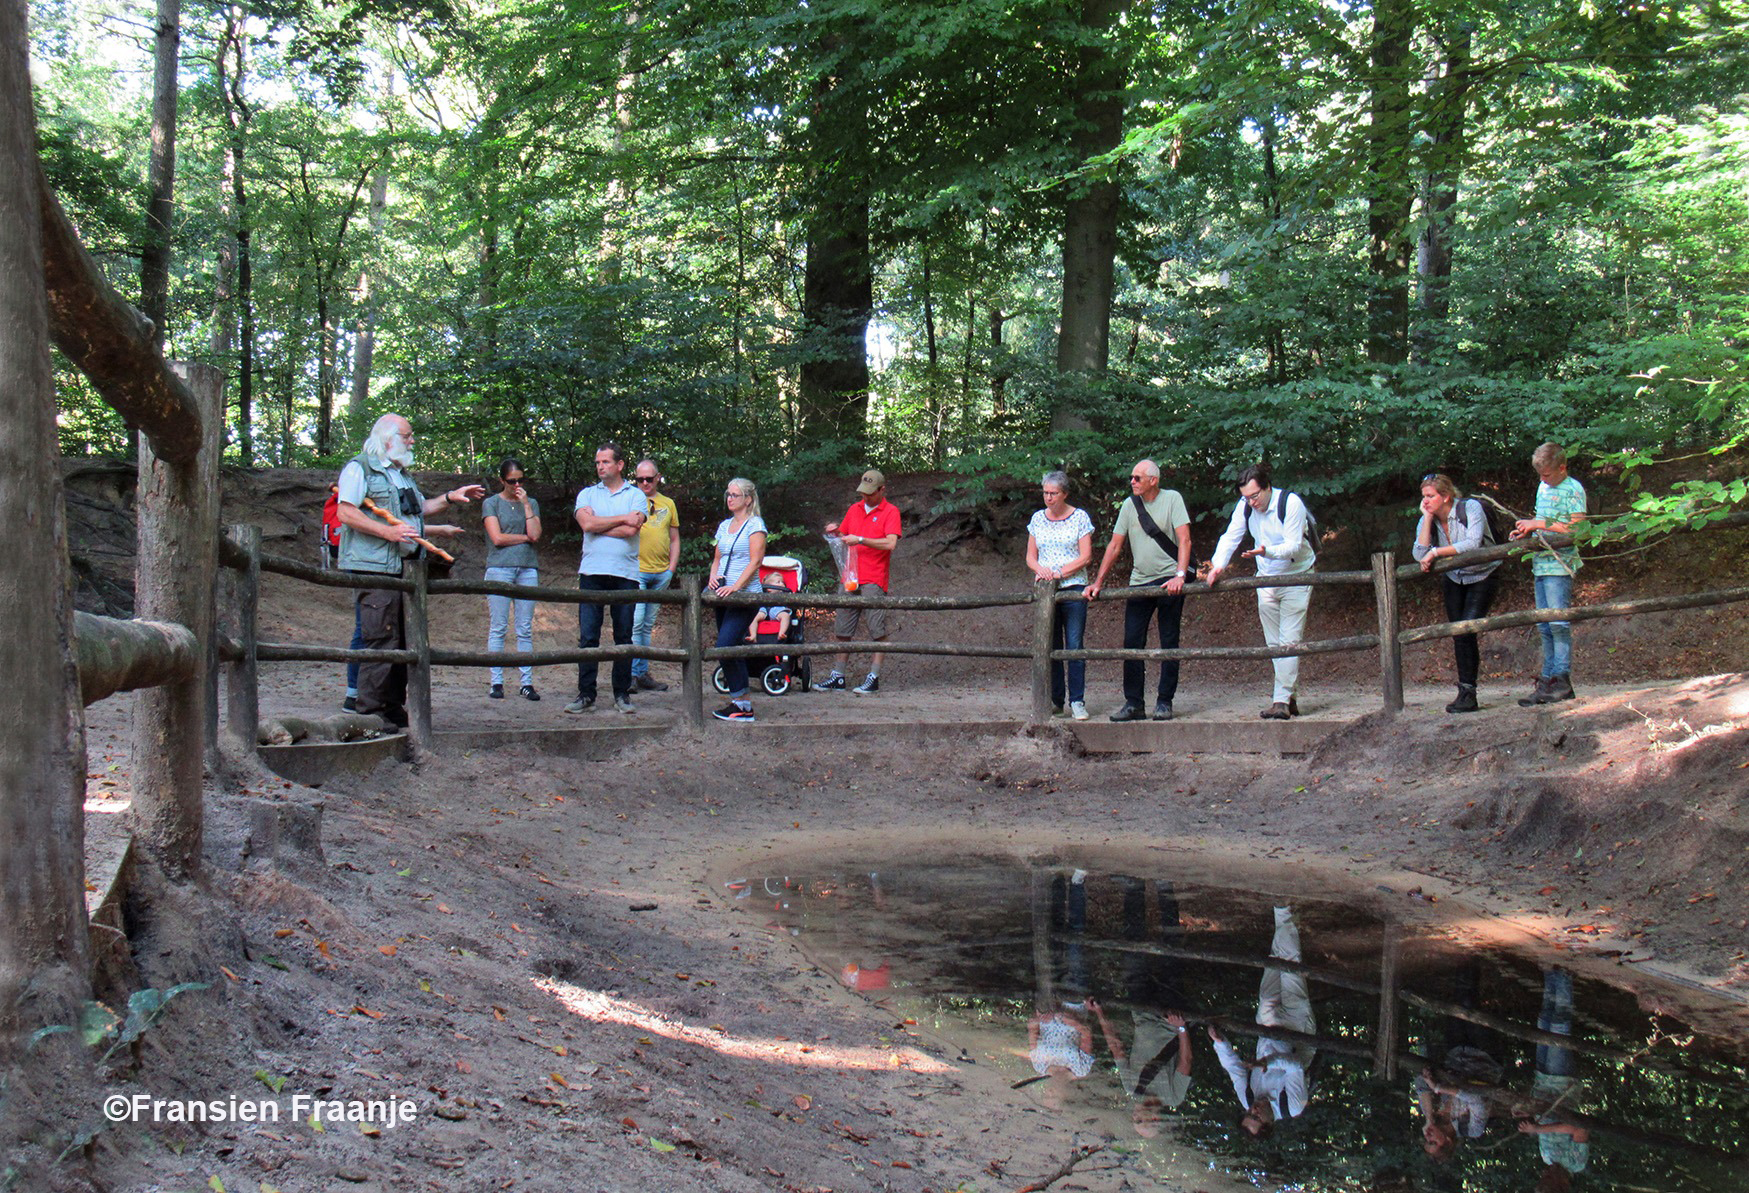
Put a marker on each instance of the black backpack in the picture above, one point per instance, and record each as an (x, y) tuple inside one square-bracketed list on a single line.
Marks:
[(1497, 520)]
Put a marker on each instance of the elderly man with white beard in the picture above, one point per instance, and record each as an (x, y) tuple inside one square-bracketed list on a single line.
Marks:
[(371, 544)]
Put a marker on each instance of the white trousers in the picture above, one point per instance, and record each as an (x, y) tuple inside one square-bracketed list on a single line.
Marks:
[(1283, 614)]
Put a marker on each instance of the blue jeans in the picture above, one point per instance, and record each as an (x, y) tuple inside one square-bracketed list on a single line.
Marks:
[(644, 620), (1556, 1015), (732, 626), (1067, 633), (499, 607), (1168, 611), (589, 619), (1555, 592), (357, 644)]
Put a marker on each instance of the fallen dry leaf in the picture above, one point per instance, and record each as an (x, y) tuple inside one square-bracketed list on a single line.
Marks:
[(387, 950)]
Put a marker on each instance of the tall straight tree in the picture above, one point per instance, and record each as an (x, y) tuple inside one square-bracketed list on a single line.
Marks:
[(1390, 190), (1090, 218), (161, 179), (1448, 93), (44, 950)]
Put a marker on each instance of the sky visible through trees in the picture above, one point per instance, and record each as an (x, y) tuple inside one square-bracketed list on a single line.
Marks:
[(771, 238)]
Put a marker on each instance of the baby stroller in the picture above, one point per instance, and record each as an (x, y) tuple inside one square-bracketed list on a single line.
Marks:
[(777, 672)]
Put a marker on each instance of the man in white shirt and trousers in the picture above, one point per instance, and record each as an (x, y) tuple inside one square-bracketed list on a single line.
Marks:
[(1274, 1085), (1281, 527)]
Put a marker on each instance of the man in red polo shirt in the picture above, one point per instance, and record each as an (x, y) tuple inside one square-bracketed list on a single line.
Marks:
[(870, 528)]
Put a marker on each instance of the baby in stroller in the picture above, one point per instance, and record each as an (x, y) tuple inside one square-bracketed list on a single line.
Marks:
[(777, 625)]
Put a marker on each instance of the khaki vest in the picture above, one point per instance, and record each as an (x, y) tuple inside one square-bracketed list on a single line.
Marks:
[(366, 552)]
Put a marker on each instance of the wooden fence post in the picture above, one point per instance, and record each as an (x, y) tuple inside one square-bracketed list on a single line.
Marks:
[(692, 678), (242, 693), (416, 628), (1043, 622), (175, 569), (1384, 587)]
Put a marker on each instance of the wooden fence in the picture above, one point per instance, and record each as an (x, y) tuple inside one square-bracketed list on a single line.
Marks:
[(241, 553)]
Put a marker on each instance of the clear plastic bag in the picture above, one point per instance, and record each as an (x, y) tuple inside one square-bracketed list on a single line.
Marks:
[(845, 559)]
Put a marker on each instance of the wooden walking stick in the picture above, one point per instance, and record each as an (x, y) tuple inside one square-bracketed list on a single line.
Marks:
[(392, 520)]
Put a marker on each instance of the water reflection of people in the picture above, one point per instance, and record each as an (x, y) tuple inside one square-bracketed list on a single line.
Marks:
[(1059, 1040), (1155, 1069), (1453, 1098), (1565, 1147), (1274, 1084)]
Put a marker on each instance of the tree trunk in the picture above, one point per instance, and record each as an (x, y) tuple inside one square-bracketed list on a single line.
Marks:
[(1390, 195), (1446, 121), (161, 173), (367, 321), (175, 571), (237, 118), (998, 369), (106, 338), (44, 941), (837, 303), (1090, 221)]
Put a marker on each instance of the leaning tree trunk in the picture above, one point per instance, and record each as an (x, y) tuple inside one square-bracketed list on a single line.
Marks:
[(1390, 195), (1090, 220), (236, 108), (44, 950), (161, 174), (364, 349)]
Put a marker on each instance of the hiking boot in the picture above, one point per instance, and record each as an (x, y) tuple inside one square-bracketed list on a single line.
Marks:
[(623, 704), (867, 687), (832, 683), (645, 683), (581, 704), (1539, 696), (497, 692), (734, 712), (1078, 709), (1561, 688), (350, 704), (528, 692), (1466, 699), (1130, 712), (1162, 710), (1275, 712)]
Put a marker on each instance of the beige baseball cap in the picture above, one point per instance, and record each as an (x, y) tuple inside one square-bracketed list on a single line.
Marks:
[(871, 481)]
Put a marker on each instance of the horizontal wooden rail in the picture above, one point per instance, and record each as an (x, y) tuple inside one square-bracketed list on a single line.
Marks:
[(117, 655), (1158, 654), (279, 565), (297, 652), (549, 658), (1529, 546), (845, 600), (1228, 584), (563, 596), (1505, 621), (798, 649)]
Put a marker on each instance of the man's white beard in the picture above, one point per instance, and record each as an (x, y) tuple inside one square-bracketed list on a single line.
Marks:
[(398, 453)]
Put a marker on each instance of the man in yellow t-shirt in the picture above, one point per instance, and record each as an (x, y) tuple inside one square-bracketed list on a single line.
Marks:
[(658, 556)]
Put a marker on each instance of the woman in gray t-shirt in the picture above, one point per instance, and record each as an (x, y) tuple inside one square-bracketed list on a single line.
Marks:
[(513, 528)]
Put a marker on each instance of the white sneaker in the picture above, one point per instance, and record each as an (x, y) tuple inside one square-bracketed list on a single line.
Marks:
[(1078, 710)]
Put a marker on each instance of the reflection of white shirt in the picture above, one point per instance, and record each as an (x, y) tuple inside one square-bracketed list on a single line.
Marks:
[(1281, 1080), (1286, 548), (1059, 1043)]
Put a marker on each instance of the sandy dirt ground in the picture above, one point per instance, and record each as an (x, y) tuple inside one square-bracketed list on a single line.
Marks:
[(539, 952)]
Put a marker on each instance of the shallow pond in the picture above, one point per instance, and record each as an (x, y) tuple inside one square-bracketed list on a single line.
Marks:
[(1074, 983)]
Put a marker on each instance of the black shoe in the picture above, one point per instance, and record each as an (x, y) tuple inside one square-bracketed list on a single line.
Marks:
[(1293, 706), (1056, 710), (497, 692), (1539, 696), (1275, 712), (1466, 699), (646, 684), (832, 683), (1561, 688), (1162, 710), (528, 692), (734, 712), (1130, 712), (350, 704)]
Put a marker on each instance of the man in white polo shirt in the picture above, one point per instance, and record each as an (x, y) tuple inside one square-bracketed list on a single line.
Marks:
[(610, 513)]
